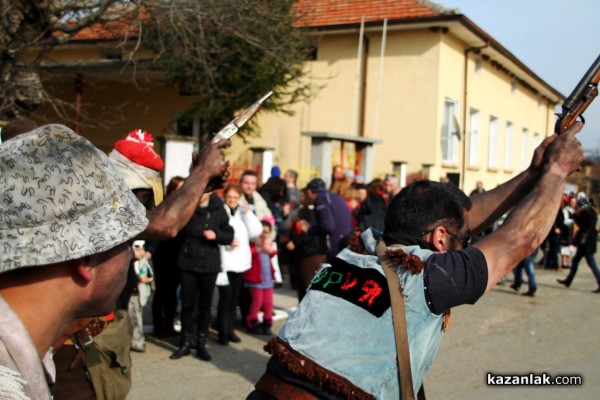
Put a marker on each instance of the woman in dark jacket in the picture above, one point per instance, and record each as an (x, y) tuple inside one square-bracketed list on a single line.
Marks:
[(199, 262), (585, 240)]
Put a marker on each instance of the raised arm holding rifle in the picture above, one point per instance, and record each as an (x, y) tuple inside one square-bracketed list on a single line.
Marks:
[(340, 341), (484, 212)]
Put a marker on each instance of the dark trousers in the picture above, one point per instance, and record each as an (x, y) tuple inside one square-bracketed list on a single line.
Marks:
[(196, 290), (244, 301), (589, 258), (553, 252), (228, 301), (164, 301)]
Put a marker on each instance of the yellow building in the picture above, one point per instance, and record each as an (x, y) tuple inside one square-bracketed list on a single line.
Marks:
[(406, 87)]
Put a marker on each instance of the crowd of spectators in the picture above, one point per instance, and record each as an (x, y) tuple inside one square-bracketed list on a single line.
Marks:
[(269, 229), (292, 230)]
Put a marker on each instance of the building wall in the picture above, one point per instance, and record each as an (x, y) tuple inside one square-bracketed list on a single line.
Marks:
[(400, 103), (491, 91), (404, 107), (407, 107), (118, 108), (421, 69)]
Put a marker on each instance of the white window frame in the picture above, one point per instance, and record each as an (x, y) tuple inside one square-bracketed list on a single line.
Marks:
[(478, 65), (493, 143), (524, 148), (474, 139), (450, 135), (508, 146)]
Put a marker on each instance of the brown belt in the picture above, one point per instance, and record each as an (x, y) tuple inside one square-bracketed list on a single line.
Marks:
[(281, 390)]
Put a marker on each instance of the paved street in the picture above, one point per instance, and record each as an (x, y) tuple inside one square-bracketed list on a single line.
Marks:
[(555, 332)]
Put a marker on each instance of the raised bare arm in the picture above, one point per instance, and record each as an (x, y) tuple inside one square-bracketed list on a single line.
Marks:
[(492, 204), (209, 172), (530, 221)]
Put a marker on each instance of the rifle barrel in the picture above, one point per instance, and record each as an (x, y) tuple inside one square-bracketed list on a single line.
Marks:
[(582, 85)]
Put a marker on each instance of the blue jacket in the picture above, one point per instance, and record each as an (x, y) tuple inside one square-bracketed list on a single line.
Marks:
[(344, 323), (333, 222)]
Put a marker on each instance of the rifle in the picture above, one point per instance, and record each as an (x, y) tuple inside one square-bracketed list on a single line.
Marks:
[(581, 97), (231, 128)]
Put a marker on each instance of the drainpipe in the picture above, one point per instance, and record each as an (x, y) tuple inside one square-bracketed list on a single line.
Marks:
[(363, 89), (463, 171), (358, 108), (357, 82)]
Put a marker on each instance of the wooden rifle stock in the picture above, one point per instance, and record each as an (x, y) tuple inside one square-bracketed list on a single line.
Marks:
[(574, 106)]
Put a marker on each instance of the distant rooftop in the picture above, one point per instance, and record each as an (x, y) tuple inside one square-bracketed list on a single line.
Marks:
[(313, 14), (322, 13)]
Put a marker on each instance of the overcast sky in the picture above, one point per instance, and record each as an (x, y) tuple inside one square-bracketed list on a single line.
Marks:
[(557, 39)]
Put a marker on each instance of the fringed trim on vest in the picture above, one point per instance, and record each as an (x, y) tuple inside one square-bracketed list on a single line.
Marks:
[(355, 243), (305, 368), (413, 264)]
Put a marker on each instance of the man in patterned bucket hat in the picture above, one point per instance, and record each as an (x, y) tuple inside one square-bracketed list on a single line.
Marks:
[(66, 216)]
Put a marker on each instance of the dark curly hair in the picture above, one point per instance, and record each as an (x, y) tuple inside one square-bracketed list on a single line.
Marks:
[(423, 204)]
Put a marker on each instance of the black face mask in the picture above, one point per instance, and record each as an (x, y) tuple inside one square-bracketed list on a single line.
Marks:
[(406, 239), (145, 196)]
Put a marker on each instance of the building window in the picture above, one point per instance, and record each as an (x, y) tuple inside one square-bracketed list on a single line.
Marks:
[(450, 133), (474, 137), (524, 148), (311, 54), (508, 147), (185, 127), (190, 127), (478, 65), (493, 143)]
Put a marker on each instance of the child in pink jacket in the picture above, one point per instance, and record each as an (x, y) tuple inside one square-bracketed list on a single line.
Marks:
[(259, 280)]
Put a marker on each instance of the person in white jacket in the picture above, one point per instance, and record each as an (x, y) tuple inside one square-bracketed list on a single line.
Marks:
[(236, 258)]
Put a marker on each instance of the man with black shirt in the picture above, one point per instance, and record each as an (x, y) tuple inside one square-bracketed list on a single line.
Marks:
[(339, 343)]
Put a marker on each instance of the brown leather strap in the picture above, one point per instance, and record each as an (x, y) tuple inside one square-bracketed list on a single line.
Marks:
[(281, 390), (399, 320)]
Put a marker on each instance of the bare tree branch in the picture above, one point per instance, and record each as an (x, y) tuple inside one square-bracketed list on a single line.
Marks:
[(224, 53)]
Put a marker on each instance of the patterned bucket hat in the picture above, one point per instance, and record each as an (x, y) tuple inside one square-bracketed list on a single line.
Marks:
[(61, 199)]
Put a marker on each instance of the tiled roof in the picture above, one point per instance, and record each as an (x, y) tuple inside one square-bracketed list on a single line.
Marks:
[(313, 14), (323, 13), (107, 30)]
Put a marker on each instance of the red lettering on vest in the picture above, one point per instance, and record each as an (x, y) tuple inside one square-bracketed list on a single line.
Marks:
[(349, 283), (372, 290)]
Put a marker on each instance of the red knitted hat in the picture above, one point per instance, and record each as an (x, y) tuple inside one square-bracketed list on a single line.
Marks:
[(138, 146)]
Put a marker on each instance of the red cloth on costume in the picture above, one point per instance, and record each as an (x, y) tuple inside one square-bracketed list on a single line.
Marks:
[(138, 146)]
